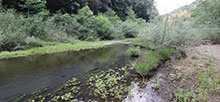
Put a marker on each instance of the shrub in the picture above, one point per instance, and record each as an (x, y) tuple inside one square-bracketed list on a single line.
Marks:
[(129, 29), (86, 18), (134, 52), (102, 25), (12, 31), (35, 26), (67, 24), (112, 16), (175, 34), (115, 32), (212, 33)]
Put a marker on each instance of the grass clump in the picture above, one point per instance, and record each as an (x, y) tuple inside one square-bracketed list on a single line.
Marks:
[(148, 62), (134, 52), (142, 68), (166, 53), (194, 57), (139, 43)]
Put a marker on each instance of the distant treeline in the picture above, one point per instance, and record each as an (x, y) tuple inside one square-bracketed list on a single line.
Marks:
[(141, 7), (33, 23)]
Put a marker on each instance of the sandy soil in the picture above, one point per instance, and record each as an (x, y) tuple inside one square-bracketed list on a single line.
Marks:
[(197, 59)]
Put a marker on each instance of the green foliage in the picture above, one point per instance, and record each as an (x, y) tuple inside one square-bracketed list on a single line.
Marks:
[(166, 53), (214, 84), (172, 34), (33, 42), (113, 17), (33, 6), (67, 97), (103, 24), (85, 15), (80, 45), (207, 14), (129, 29), (202, 95), (185, 95), (139, 43), (19, 31), (142, 68), (35, 26), (194, 57), (131, 15), (108, 85), (134, 52), (211, 33), (142, 8), (148, 62), (67, 24), (12, 31)]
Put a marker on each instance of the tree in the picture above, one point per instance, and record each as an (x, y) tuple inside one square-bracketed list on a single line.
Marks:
[(33, 6), (207, 12), (142, 8)]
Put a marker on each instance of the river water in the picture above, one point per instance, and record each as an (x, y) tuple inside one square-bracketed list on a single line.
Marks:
[(23, 75)]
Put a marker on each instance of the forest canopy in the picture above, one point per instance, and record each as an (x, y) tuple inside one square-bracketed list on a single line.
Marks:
[(141, 7)]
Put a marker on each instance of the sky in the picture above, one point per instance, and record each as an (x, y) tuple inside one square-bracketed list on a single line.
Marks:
[(167, 6)]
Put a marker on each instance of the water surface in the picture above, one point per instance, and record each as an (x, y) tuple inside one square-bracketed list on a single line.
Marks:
[(23, 75)]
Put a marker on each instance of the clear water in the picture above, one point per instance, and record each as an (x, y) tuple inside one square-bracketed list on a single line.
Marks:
[(23, 75)]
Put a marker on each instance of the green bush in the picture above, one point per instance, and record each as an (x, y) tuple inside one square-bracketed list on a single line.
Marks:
[(86, 18), (129, 29), (215, 38), (134, 52), (102, 25), (212, 34), (67, 24), (12, 31), (175, 34), (35, 26), (112, 16)]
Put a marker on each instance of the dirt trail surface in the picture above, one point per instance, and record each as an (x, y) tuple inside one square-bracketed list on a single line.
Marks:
[(181, 79), (211, 51), (195, 73), (199, 56)]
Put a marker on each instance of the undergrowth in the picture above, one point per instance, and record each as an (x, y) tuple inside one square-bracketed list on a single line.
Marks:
[(134, 52)]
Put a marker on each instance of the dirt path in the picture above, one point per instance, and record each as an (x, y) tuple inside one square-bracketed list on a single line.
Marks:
[(199, 56), (198, 74)]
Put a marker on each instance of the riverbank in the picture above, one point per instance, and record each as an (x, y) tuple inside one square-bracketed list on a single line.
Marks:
[(113, 83), (195, 78), (79, 45)]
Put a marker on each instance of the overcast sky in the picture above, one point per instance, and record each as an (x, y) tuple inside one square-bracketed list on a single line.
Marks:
[(166, 6)]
